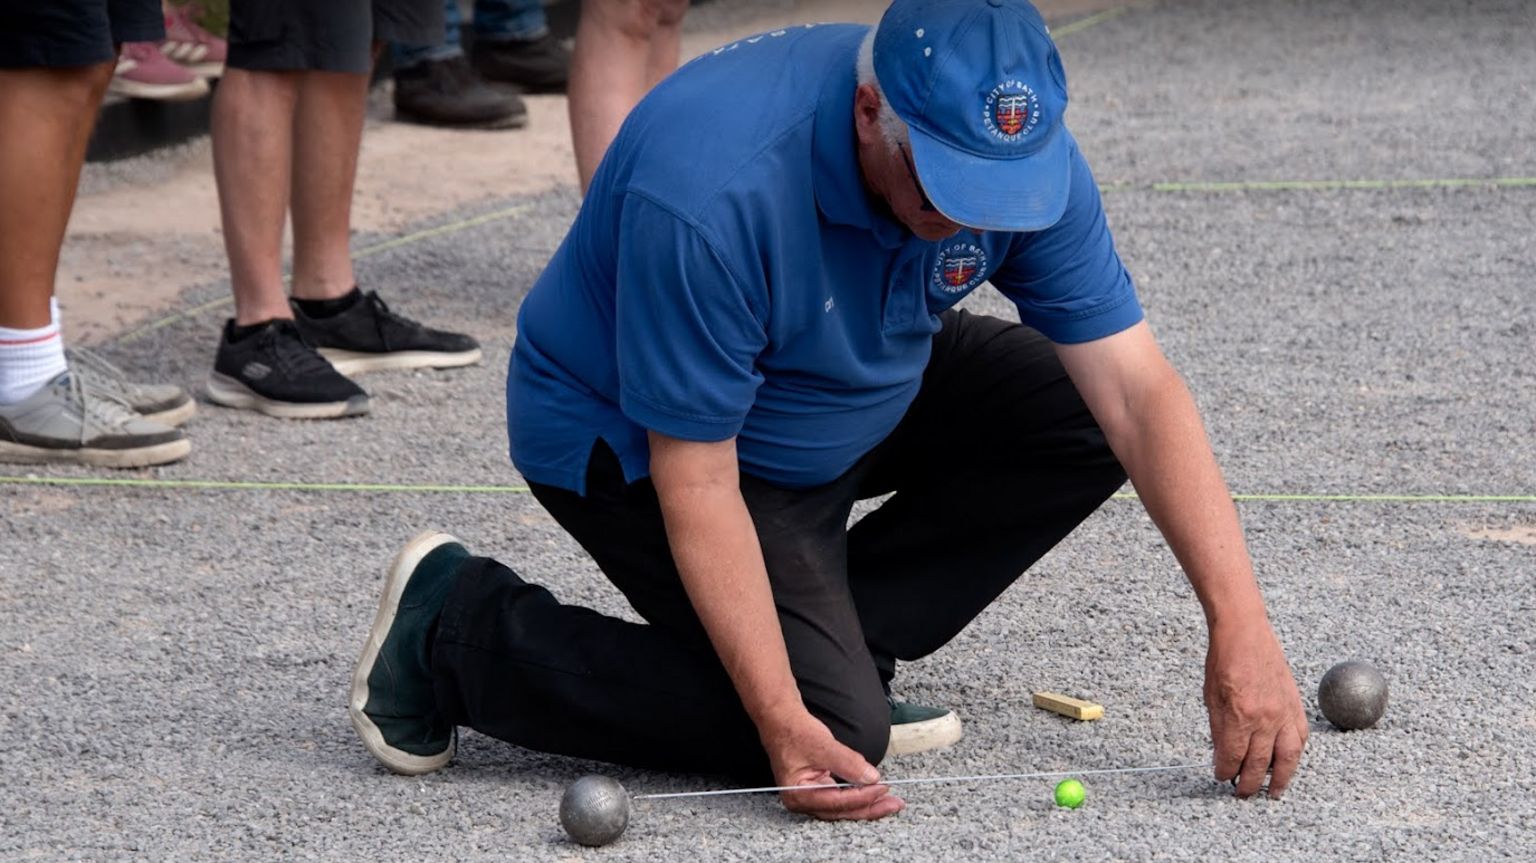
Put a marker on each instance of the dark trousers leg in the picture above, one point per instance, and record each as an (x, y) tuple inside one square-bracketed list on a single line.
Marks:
[(997, 460), (514, 663)]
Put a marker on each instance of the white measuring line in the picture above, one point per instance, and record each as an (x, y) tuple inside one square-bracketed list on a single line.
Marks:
[(990, 777)]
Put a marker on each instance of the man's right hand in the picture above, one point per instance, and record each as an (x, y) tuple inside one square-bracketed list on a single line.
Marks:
[(802, 751)]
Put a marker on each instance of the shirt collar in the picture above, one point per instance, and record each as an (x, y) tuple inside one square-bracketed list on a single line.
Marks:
[(839, 182)]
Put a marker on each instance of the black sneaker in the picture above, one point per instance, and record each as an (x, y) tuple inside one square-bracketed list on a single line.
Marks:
[(392, 703), (541, 65), (448, 93), (368, 337), (275, 371)]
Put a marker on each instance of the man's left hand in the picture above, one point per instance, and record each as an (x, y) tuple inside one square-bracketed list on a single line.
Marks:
[(1257, 721)]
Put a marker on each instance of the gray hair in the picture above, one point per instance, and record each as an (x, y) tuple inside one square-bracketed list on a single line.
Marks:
[(892, 128)]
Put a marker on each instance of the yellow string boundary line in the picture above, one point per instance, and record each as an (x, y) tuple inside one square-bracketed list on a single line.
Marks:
[(401, 488), (358, 255), (253, 485), (1066, 30), (1333, 185)]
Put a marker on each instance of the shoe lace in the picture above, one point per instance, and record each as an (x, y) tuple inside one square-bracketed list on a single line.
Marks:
[(99, 371), (99, 408), (96, 366), (386, 321), (293, 352)]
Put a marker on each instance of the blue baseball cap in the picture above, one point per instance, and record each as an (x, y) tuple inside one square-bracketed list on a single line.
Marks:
[(980, 85)]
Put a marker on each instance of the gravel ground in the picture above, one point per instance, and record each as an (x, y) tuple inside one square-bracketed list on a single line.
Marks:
[(175, 660)]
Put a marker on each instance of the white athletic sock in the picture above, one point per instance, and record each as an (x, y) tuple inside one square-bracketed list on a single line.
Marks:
[(28, 360)]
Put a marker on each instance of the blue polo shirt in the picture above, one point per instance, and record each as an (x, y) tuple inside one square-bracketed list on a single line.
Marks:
[(729, 275)]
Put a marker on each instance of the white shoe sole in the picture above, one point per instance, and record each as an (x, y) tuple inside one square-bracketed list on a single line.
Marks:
[(911, 738), (399, 575), (226, 391), (355, 362), (146, 456), (197, 88)]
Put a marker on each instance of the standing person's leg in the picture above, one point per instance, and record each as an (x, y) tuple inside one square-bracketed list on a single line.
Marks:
[(263, 363), (623, 47), (355, 332), (309, 66), (509, 660), (52, 79), (252, 165), (405, 55), (963, 526), (327, 137), (42, 111), (513, 45)]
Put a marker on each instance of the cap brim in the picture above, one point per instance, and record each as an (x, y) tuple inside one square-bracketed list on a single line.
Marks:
[(1024, 194)]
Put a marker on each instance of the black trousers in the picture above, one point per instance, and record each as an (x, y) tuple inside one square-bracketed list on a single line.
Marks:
[(996, 460)]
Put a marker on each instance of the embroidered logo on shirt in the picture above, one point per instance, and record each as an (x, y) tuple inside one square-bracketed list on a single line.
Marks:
[(961, 267), (1012, 111)]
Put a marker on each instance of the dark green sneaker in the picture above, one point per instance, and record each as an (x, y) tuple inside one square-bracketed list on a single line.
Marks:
[(392, 705), (915, 728)]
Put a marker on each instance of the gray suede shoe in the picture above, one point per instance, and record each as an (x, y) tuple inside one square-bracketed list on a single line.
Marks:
[(73, 421), (162, 403)]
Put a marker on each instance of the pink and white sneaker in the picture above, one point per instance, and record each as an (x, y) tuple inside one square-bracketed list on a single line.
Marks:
[(189, 45), (145, 73)]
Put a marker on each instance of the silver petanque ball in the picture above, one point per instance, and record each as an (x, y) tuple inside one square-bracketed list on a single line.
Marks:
[(1353, 695), (594, 810)]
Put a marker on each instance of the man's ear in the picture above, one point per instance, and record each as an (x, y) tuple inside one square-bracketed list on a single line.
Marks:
[(866, 114)]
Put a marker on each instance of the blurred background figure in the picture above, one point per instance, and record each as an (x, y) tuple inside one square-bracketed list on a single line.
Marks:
[(174, 67), (439, 85), (287, 127), (623, 48), (56, 60)]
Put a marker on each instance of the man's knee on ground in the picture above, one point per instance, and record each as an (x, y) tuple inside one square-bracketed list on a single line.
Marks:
[(865, 728)]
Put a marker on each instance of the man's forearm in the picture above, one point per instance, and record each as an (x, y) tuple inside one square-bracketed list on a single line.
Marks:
[(1163, 446), (715, 546)]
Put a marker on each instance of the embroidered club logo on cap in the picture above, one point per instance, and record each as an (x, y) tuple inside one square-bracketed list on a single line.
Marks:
[(960, 268), (1012, 111), (984, 108)]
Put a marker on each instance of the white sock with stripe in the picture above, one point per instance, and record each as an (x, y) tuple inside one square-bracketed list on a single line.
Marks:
[(29, 359)]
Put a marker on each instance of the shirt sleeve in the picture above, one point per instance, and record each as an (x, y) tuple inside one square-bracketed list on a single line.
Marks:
[(1067, 280), (688, 334)]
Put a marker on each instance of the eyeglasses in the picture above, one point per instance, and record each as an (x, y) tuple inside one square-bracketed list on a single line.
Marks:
[(906, 158)]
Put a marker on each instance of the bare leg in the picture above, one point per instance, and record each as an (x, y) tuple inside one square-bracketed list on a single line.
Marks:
[(666, 44), (328, 133), (253, 121), (46, 117), (623, 47)]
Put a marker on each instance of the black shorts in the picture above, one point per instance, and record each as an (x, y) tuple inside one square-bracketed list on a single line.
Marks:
[(54, 33), (325, 35)]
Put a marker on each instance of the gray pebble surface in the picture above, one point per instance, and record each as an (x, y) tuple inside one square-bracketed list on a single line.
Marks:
[(175, 661)]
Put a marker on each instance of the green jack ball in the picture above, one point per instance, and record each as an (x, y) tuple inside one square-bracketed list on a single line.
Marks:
[(1070, 793)]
